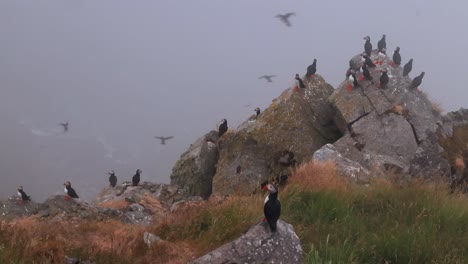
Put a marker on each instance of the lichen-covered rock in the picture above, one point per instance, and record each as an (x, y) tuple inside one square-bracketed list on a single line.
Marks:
[(196, 167), (297, 123), (12, 208), (259, 245)]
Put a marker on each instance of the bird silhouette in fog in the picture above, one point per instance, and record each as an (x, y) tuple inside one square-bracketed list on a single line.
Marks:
[(285, 18), (65, 126), (163, 139), (267, 77)]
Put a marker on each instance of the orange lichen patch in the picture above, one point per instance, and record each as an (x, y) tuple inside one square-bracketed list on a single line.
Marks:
[(115, 204), (318, 176), (460, 163), (399, 109)]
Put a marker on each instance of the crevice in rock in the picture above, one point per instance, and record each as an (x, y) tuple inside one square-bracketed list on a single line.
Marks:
[(418, 142)]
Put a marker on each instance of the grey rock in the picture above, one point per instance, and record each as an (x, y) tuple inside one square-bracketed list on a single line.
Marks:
[(259, 245), (135, 217), (196, 167), (136, 207), (150, 239)]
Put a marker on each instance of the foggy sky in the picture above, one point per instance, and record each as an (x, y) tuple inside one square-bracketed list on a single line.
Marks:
[(122, 72)]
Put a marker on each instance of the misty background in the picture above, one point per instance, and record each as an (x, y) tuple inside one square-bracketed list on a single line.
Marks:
[(122, 72)]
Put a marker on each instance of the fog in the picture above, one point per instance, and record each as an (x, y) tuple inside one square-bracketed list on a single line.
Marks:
[(122, 72)]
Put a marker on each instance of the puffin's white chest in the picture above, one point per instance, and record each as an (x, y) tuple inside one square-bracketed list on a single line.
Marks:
[(65, 190), (19, 194)]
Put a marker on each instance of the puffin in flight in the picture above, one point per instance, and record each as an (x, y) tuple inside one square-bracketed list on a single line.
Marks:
[(272, 206), (136, 178), (285, 18), (22, 195), (396, 56), (65, 126), (312, 69), (69, 191), (367, 46), (222, 128), (382, 44), (163, 139), (417, 81), (299, 81), (112, 179), (383, 79), (408, 67), (267, 77)]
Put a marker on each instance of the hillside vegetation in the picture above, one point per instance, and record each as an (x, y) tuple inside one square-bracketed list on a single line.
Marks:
[(386, 221)]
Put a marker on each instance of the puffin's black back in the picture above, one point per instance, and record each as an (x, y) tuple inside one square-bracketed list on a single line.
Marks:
[(272, 210), (113, 180), (407, 68), (136, 179), (71, 192), (397, 57), (24, 196), (383, 80), (222, 128)]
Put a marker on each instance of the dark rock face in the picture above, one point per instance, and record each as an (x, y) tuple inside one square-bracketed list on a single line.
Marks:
[(259, 245), (296, 124), (197, 166)]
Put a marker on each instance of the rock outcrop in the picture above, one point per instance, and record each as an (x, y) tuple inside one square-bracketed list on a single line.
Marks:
[(296, 124), (197, 166), (259, 245), (12, 208)]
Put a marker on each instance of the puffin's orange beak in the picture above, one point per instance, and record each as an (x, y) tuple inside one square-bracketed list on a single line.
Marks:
[(265, 187)]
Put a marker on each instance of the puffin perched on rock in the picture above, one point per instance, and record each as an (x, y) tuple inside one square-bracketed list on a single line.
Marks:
[(22, 195), (408, 67), (299, 81), (417, 81), (365, 72), (69, 191), (257, 112), (383, 79), (222, 128), (396, 56), (368, 61), (112, 179), (272, 206), (367, 46), (382, 44), (352, 80), (312, 69), (136, 178)]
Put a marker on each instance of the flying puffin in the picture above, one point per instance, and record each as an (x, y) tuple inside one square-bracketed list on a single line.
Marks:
[(136, 178), (22, 195), (272, 206), (408, 67), (267, 77), (65, 126), (257, 112), (382, 44), (112, 179), (299, 81), (312, 69), (368, 46), (417, 81), (365, 72), (222, 128), (163, 139), (69, 191), (285, 18), (368, 61), (397, 56), (383, 79)]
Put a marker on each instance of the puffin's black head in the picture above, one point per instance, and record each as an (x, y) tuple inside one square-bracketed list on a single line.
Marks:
[(410, 61), (257, 110), (367, 38), (422, 74), (138, 171), (224, 121), (20, 188), (297, 75), (270, 187), (383, 36), (397, 49), (67, 184), (111, 172), (384, 71), (315, 60)]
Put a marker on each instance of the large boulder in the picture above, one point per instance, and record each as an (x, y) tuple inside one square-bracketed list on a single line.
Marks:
[(259, 245), (297, 123), (13, 208), (197, 166)]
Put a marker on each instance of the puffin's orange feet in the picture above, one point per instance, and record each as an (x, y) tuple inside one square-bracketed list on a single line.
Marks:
[(349, 87), (361, 78), (67, 197), (379, 85)]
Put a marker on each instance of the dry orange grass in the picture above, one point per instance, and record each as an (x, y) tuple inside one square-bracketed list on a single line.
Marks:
[(318, 176), (437, 107), (115, 204)]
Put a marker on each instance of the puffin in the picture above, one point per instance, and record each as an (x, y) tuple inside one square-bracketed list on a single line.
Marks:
[(69, 191), (257, 112), (65, 126), (382, 44), (285, 18), (383, 79), (299, 81), (368, 46), (381, 56), (136, 178), (368, 61), (272, 206), (312, 69), (222, 128), (366, 73), (112, 179), (396, 56), (163, 139), (417, 81), (408, 67), (22, 195), (352, 80), (267, 77)]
